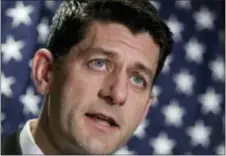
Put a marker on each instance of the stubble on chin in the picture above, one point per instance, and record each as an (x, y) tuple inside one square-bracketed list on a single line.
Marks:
[(93, 144)]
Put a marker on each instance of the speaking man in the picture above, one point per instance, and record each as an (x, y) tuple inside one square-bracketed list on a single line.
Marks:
[(96, 74)]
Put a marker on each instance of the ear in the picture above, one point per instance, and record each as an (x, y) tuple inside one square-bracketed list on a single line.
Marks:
[(42, 65), (149, 102)]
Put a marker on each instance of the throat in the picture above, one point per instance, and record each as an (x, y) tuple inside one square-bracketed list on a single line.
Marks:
[(42, 138)]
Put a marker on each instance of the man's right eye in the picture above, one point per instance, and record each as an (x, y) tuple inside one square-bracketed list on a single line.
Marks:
[(98, 64)]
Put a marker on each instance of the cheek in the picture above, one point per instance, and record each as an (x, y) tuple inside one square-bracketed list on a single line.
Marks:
[(82, 85), (73, 101), (135, 108), (80, 89), (132, 112)]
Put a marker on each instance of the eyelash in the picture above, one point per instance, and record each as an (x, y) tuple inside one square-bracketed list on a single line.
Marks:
[(142, 78), (93, 61), (106, 62)]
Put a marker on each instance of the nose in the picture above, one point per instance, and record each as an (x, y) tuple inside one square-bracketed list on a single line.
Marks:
[(115, 90)]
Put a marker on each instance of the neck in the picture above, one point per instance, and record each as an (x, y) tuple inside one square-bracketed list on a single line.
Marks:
[(42, 135)]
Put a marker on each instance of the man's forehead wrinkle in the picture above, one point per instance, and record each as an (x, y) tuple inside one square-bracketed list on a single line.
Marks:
[(129, 39), (99, 30), (97, 35)]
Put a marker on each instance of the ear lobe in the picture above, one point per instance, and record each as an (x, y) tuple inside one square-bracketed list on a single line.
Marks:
[(42, 70)]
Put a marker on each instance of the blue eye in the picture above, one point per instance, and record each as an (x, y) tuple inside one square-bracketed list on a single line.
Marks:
[(99, 64), (138, 80)]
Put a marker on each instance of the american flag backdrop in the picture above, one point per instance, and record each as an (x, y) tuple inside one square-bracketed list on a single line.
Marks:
[(188, 114)]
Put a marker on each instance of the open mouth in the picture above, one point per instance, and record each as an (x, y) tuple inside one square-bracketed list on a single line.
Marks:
[(102, 119)]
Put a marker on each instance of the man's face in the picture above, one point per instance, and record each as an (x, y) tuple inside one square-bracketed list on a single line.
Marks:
[(102, 91)]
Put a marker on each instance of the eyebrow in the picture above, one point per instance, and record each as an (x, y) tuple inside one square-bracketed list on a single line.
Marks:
[(140, 66), (136, 65), (103, 51)]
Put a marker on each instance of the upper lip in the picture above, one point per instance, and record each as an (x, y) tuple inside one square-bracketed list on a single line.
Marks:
[(110, 118)]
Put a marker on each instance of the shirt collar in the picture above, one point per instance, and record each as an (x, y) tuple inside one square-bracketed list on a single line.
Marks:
[(27, 143)]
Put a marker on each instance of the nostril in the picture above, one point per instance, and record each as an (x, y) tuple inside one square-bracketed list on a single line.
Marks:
[(114, 93), (106, 97)]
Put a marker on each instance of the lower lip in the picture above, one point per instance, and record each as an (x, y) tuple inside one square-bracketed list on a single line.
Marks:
[(99, 126)]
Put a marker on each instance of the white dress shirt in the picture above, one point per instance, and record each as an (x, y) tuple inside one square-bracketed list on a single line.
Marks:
[(27, 143)]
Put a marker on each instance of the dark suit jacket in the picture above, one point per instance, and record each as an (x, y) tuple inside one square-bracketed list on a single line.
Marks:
[(10, 145)]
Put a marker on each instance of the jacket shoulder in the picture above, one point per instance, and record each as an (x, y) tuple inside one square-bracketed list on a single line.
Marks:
[(10, 145)]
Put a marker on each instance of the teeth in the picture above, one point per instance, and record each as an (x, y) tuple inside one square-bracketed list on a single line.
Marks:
[(102, 122)]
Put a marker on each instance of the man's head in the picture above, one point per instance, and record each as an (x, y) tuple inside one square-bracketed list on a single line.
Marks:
[(101, 62)]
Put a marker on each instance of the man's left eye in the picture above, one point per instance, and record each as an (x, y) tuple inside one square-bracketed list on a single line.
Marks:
[(98, 64), (138, 80)]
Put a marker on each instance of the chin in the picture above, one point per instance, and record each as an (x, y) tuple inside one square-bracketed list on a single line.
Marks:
[(97, 147)]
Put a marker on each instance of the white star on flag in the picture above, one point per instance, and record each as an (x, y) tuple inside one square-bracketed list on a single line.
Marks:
[(43, 30), (173, 113), (30, 101), (30, 63), (6, 83), (194, 50), (167, 63), (176, 27), (124, 150), (21, 125), (204, 19), (220, 150), (155, 3), (187, 153), (20, 14), (162, 144), (140, 131), (184, 82), (210, 101), (199, 134), (217, 68), (11, 49), (156, 91), (49, 4), (184, 4)]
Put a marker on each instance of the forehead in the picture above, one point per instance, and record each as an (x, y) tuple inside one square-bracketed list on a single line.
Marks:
[(119, 39)]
